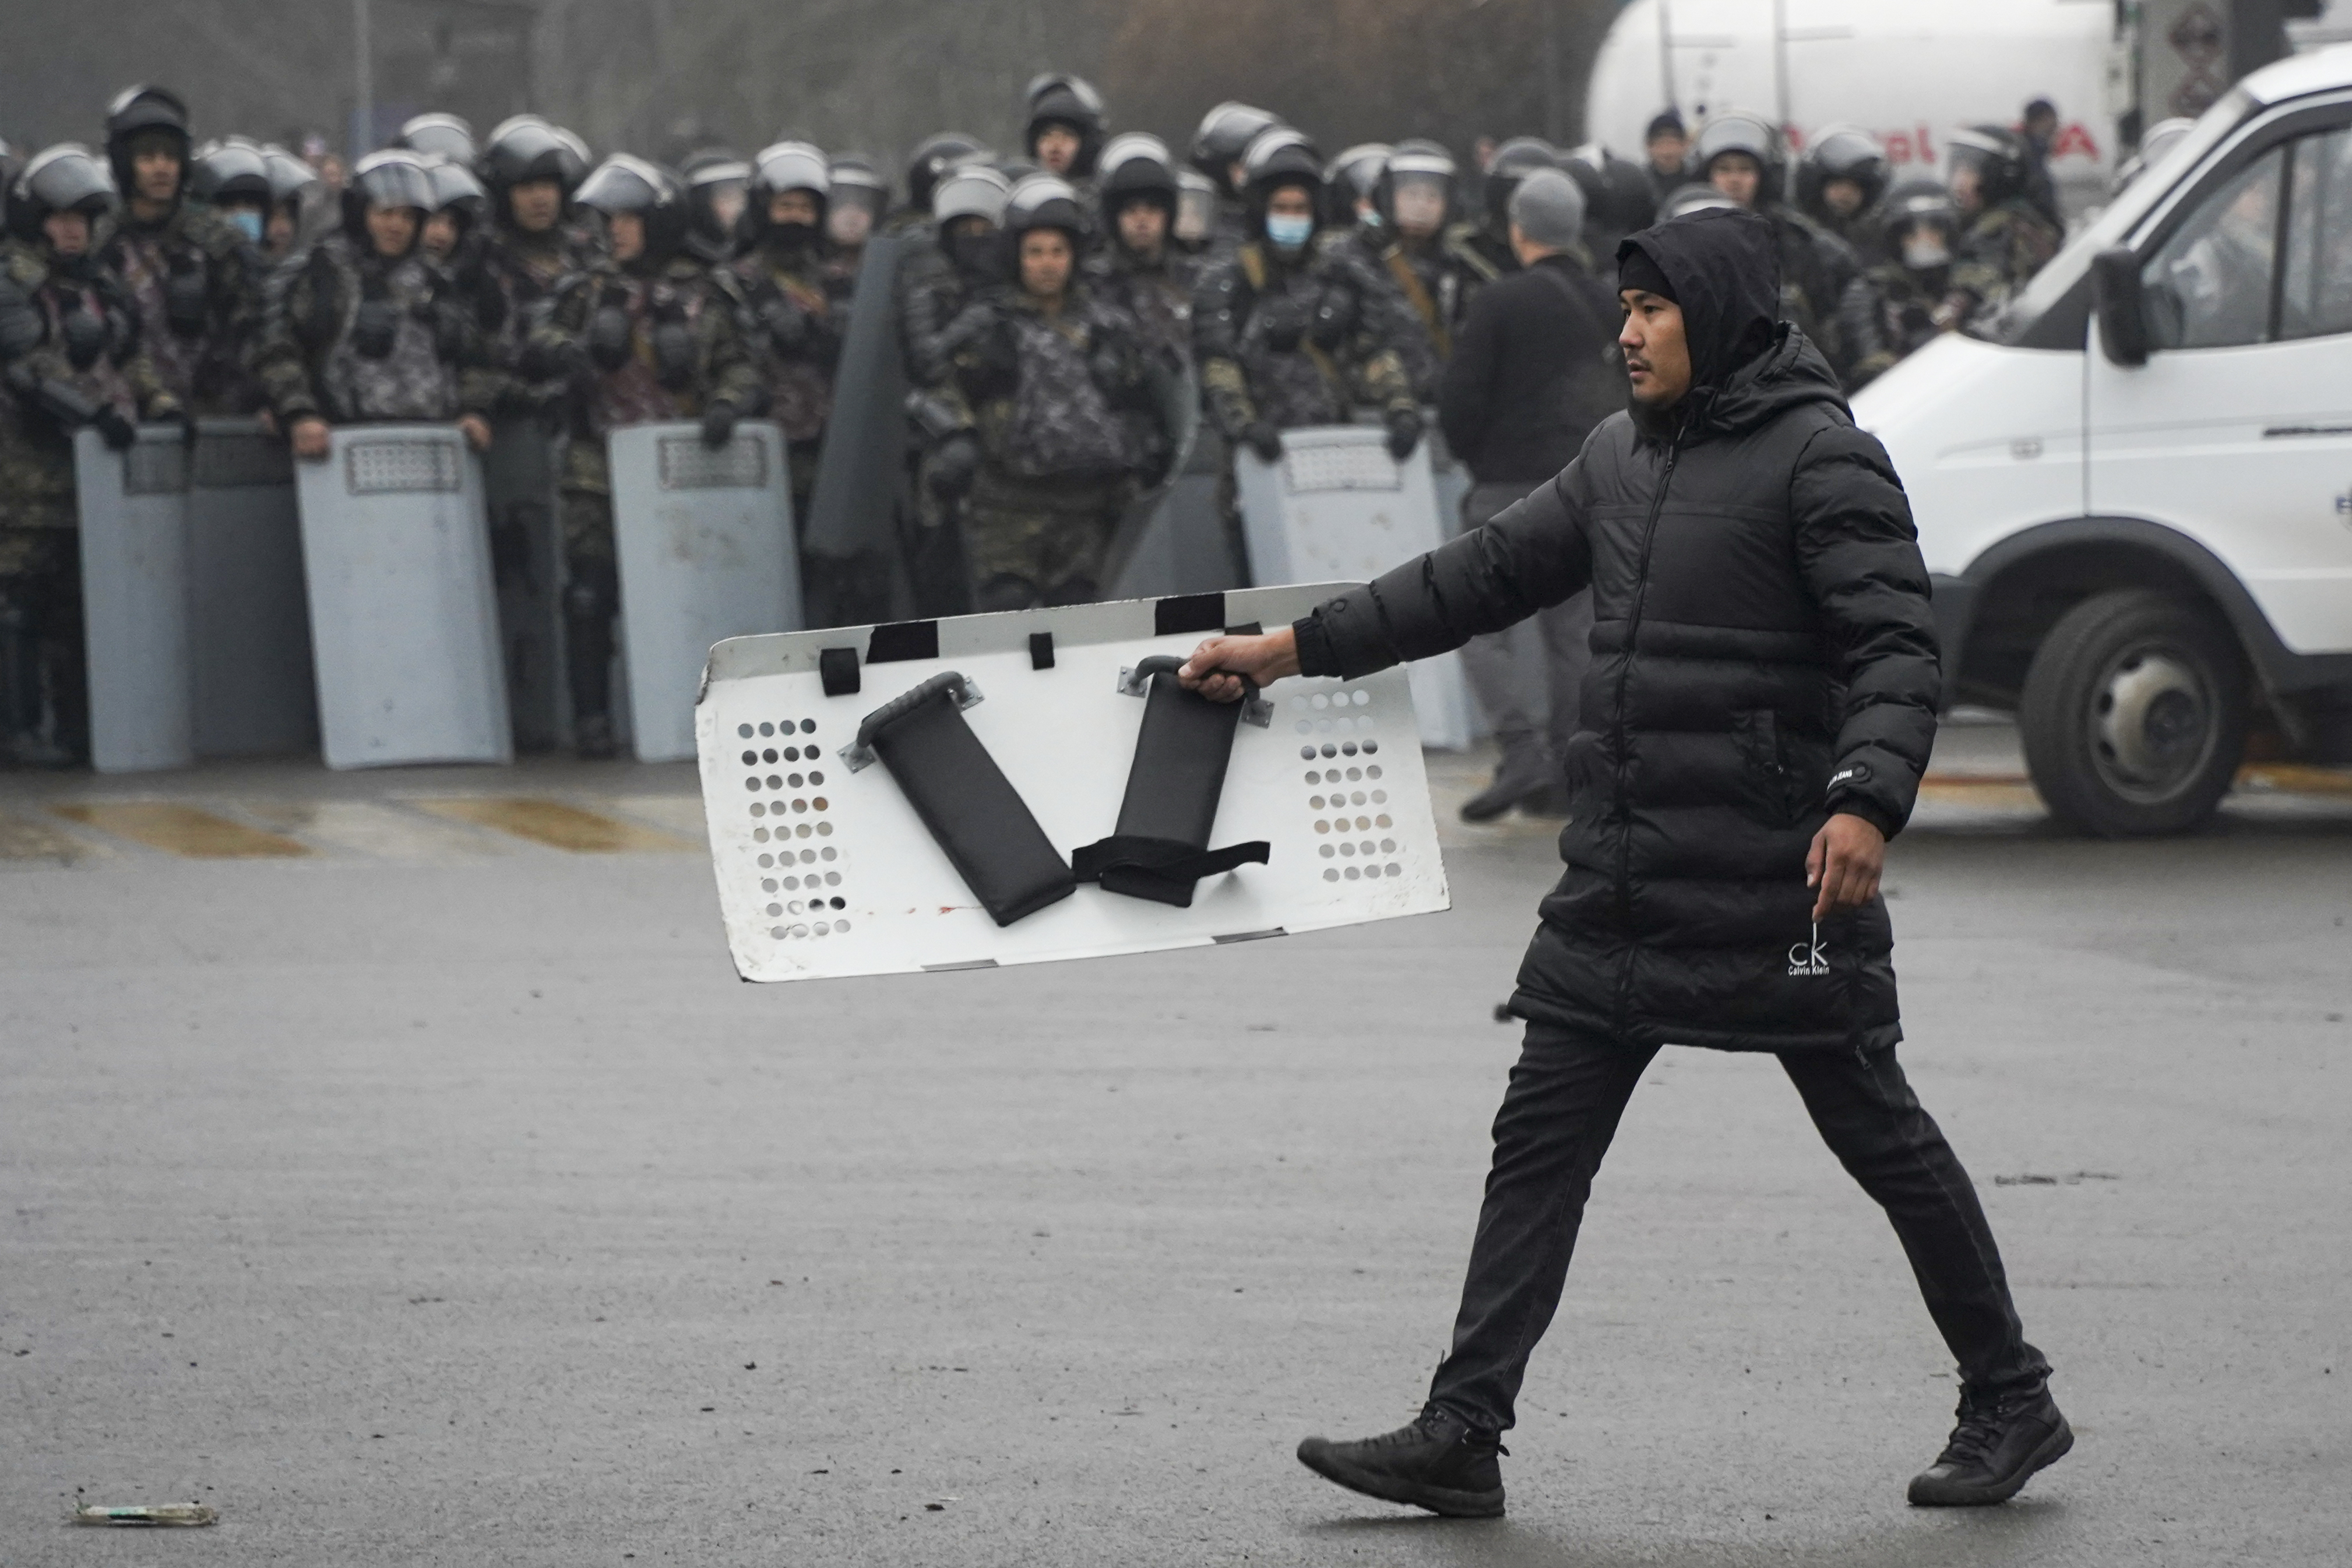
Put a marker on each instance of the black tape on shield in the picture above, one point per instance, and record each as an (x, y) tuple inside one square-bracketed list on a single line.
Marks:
[(1160, 846), (964, 799)]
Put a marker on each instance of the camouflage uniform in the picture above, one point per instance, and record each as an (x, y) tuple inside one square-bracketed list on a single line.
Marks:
[(1815, 268), (197, 283), (1157, 296), (1889, 313), (1429, 288), (798, 307), (1058, 390), (519, 270), (2014, 240), (70, 354), (670, 346), (355, 338), (934, 295), (1478, 257)]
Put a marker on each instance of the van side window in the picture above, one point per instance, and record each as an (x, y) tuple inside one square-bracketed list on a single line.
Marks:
[(2315, 294), (2210, 286)]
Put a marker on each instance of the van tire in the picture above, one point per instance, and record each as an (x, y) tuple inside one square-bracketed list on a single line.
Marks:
[(2134, 713)]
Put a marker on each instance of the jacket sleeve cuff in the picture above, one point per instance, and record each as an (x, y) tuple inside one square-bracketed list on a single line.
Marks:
[(1315, 655), (1854, 804)]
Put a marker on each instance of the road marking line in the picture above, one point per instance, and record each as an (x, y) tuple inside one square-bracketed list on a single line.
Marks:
[(374, 828), (29, 838), (553, 823), (180, 830)]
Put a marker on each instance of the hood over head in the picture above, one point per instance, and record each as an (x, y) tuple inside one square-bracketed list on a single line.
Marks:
[(1725, 266)]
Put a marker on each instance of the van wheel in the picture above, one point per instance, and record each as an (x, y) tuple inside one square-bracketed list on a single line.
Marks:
[(2134, 713)]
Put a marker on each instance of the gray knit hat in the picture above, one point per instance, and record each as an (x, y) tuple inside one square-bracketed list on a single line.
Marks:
[(1549, 209)]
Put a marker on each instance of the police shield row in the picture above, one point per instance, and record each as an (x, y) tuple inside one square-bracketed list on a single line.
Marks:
[(528, 393)]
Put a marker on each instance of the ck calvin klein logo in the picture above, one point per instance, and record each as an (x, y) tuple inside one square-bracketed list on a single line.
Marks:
[(1807, 957)]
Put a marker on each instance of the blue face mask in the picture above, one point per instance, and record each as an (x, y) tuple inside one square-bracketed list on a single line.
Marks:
[(1288, 230), (248, 224)]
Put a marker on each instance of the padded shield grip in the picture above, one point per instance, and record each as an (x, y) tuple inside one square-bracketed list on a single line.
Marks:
[(964, 799), (1160, 847)]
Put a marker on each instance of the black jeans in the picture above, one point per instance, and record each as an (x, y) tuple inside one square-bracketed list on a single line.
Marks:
[(1566, 1095)]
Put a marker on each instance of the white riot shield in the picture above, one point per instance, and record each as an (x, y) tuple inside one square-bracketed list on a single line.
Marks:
[(134, 588), (706, 548), (1338, 508), (825, 867), (519, 485), (248, 625), (404, 621)]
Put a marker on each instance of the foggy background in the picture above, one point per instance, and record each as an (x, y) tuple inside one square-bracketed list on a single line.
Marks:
[(658, 77)]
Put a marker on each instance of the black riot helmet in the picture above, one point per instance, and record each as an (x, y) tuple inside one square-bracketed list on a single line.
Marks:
[(1513, 162), (1059, 99), (394, 177), (527, 148), (1841, 153), (1195, 222), (226, 173), (788, 166), (137, 113), (1695, 198), (972, 190), (1045, 202), (628, 183), (1743, 131), (456, 190), (1913, 203), (440, 135), (1416, 167), (289, 175), (1224, 137), (933, 156), (718, 193), (1135, 167), (1279, 156), (1994, 154), (66, 178), (1349, 179)]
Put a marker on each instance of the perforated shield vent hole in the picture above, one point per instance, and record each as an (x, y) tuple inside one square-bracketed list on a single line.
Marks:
[(1345, 787), (1366, 466), (687, 464), (799, 871), (402, 465)]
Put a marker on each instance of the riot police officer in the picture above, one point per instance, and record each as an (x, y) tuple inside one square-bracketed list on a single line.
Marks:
[(1057, 379), (1484, 242), (1138, 264), (1065, 128), (439, 136), (291, 182), (70, 355), (858, 197), (647, 334), (195, 273), (1739, 154), (926, 166), (717, 198), (1218, 149), (1928, 288), (1195, 224), (2000, 227), (364, 328), (232, 178), (1839, 183), (798, 308), (1414, 199), (1349, 209), (1287, 336), (531, 168)]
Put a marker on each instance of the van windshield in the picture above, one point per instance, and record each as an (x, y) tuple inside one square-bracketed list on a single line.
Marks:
[(2053, 282)]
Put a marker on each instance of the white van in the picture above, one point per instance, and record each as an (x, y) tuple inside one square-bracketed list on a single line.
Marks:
[(2134, 487)]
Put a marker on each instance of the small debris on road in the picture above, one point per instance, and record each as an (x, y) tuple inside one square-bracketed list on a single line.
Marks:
[(169, 1513)]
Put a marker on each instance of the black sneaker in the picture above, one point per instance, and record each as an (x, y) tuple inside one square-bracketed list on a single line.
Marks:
[(2003, 1436), (1438, 1463)]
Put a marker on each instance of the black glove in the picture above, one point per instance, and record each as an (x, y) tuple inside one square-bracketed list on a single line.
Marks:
[(1283, 321), (609, 334), (117, 431), (790, 328), (187, 424), (954, 466), (1404, 433), (718, 423), (1264, 440), (1335, 317), (1000, 350)]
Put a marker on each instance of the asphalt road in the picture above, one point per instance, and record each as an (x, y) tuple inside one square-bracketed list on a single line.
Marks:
[(460, 1207)]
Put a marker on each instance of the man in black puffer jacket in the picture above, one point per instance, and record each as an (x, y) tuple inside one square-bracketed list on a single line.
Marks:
[(1759, 709)]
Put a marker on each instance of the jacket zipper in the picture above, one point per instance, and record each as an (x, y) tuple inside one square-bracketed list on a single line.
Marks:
[(1624, 673)]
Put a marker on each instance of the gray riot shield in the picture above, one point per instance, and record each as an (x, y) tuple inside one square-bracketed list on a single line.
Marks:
[(134, 588), (1338, 508), (519, 483), (404, 620), (853, 508), (1182, 545), (706, 548), (248, 626)]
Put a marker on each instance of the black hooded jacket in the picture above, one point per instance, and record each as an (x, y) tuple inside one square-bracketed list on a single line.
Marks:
[(1763, 655)]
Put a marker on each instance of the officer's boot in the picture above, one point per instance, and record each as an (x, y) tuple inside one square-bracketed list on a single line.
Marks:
[(588, 658), (1525, 773), (2004, 1435), (1438, 1463)]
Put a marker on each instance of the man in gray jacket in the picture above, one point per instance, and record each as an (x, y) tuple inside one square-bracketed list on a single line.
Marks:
[(1760, 710)]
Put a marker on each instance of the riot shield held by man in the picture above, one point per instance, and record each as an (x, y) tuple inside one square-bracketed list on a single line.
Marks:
[(1759, 711)]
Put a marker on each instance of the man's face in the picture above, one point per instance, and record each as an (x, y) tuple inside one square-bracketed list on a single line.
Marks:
[(627, 233), (1418, 202), (69, 231), (2042, 125), (1057, 149), (155, 169), (1967, 188), (1289, 201), (1669, 152), (848, 223), (391, 230), (793, 207), (726, 202), (1843, 197), (1736, 175), (280, 235), (1658, 358), (440, 236), (1143, 227), (536, 204), (1045, 262)]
